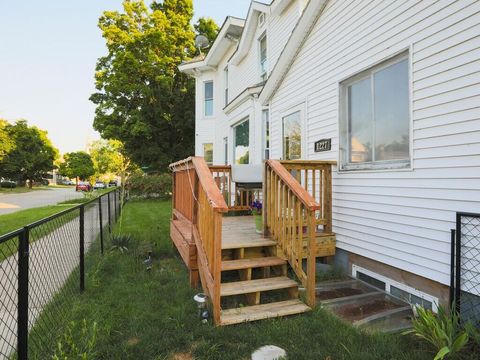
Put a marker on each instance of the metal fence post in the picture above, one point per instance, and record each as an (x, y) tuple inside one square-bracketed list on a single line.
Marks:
[(82, 248), (452, 267), (22, 315), (115, 203), (458, 249), (109, 213), (101, 222)]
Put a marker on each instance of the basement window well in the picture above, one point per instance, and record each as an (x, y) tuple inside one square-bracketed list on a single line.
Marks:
[(399, 290)]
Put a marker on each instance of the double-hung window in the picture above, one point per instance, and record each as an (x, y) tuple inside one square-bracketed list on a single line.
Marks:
[(208, 153), (225, 76), (263, 58), (208, 95), (375, 118)]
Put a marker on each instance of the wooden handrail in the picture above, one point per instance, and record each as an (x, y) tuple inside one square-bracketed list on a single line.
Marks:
[(302, 194), (211, 189)]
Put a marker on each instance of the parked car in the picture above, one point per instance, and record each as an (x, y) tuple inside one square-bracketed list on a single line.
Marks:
[(83, 186), (8, 184), (112, 183), (99, 185)]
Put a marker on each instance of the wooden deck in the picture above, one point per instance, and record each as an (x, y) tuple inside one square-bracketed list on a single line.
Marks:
[(239, 232)]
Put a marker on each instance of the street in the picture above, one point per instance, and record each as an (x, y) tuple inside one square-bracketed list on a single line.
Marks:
[(13, 202)]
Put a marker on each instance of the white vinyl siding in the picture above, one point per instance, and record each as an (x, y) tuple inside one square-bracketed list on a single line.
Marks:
[(403, 217)]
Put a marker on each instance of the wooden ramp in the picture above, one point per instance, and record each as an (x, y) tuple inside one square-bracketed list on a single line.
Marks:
[(254, 284)]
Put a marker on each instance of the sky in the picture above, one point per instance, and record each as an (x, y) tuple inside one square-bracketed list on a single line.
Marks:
[(48, 51)]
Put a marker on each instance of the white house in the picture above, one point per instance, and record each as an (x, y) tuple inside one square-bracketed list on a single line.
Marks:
[(393, 86)]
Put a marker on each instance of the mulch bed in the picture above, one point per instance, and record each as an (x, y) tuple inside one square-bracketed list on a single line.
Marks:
[(354, 312)]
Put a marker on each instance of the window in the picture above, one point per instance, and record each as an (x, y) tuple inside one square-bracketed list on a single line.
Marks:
[(208, 93), (208, 153), (263, 58), (241, 143), (225, 76), (266, 132), (376, 121), (399, 290), (292, 137)]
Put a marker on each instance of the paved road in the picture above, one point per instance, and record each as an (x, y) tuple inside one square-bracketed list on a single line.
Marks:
[(13, 202)]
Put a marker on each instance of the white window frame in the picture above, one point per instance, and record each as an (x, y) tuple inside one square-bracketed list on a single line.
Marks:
[(344, 150), (205, 99), (266, 121), (225, 79), (234, 144), (390, 282), (263, 73), (289, 111)]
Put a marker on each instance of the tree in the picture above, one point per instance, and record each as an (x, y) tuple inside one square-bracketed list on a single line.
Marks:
[(32, 154), (77, 165), (109, 158), (6, 144), (207, 27), (142, 99)]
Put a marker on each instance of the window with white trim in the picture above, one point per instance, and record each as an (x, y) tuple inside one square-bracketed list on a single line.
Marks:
[(266, 134), (208, 95), (263, 57), (375, 118), (292, 136)]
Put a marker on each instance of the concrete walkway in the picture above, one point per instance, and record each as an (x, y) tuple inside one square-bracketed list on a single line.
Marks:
[(13, 202), (52, 259)]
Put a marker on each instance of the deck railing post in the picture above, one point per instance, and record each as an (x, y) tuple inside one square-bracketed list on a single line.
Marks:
[(310, 287), (22, 310), (82, 248)]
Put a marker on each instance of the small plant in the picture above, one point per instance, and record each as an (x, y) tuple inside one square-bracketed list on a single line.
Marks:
[(77, 342), (442, 330), (256, 207), (473, 333), (120, 242)]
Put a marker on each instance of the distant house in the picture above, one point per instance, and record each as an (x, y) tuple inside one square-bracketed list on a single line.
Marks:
[(393, 87)]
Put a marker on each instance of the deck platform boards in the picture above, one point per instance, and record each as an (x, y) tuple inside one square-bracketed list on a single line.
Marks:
[(239, 232)]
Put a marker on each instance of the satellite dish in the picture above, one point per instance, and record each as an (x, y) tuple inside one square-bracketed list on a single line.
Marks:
[(201, 42)]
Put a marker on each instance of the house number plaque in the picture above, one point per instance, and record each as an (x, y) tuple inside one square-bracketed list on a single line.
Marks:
[(323, 145)]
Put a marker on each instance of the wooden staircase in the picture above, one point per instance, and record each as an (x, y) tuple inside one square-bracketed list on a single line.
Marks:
[(255, 285), (244, 274)]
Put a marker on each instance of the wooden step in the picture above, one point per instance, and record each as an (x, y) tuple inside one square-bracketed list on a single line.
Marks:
[(263, 311), (252, 263), (246, 243), (252, 286)]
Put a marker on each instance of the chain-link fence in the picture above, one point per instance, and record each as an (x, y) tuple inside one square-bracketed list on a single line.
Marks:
[(466, 267), (38, 261)]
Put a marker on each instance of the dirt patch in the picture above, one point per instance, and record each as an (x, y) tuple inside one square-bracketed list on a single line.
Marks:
[(182, 356), (354, 312), (338, 293), (133, 341)]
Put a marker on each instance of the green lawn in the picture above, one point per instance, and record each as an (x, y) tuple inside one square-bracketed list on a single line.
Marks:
[(21, 189), (144, 314), (18, 219)]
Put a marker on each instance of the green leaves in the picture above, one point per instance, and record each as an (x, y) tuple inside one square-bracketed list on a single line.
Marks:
[(28, 153), (142, 99), (77, 164), (442, 330)]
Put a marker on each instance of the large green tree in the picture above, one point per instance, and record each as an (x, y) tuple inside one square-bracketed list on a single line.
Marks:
[(32, 154), (6, 143), (109, 158), (142, 99), (77, 164), (207, 27)]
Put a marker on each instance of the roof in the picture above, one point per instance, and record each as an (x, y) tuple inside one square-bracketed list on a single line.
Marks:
[(311, 14), (229, 33)]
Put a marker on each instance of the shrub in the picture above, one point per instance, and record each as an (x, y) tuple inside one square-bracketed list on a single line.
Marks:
[(442, 330), (150, 186)]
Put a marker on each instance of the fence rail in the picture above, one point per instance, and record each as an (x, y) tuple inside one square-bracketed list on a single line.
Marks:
[(39, 260)]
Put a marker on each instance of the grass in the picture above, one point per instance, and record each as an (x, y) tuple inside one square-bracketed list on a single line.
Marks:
[(144, 314), (22, 189)]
